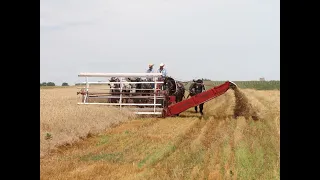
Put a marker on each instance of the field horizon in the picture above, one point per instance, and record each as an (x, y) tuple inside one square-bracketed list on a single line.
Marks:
[(253, 84)]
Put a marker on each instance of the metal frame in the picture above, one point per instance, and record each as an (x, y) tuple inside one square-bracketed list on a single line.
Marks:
[(121, 96)]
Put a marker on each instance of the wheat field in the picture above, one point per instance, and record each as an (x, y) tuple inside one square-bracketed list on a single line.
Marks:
[(92, 142), (63, 122)]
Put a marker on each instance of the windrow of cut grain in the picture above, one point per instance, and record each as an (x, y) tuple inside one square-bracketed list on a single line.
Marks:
[(63, 122), (243, 107)]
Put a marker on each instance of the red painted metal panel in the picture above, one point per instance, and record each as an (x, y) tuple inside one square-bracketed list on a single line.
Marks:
[(172, 99), (197, 99)]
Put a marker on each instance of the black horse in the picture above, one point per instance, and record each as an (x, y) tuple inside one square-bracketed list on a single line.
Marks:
[(135, 89), (196, 88), (115, 89), (141, 89), (174, 88)]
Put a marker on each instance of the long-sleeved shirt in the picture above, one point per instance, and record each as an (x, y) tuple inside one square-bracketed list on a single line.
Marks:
[(150, 71), (163, 71)]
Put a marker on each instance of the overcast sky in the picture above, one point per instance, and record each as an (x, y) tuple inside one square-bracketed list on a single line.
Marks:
[(216, 39)]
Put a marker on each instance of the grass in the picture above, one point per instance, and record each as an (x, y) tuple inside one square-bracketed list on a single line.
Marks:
[(151, 159), (113, 157), (185, 147)]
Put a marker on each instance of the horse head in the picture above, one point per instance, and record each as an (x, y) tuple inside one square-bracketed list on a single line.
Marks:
[(199, 81), (169, 84), (114, 85), (197, 87), (146, 85), (135, 85)]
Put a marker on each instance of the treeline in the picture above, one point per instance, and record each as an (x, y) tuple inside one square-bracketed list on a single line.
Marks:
[(258, 85), (52, 84)]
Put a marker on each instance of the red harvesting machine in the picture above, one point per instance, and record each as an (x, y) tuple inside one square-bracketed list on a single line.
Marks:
[(173, 108)]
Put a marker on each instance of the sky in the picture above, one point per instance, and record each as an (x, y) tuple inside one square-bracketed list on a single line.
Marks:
[(215, 39)]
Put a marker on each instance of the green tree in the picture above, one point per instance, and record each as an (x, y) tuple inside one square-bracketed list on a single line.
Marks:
[(51, 84), (65, 84)]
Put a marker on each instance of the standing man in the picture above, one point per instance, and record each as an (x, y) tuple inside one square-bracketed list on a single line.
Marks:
[(197, 87)]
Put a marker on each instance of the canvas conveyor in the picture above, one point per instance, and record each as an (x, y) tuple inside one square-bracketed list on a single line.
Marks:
[(177, 108)]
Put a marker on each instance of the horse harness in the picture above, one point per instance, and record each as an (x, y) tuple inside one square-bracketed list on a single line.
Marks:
[(196, 88)]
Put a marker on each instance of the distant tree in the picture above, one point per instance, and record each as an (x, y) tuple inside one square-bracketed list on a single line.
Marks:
[(204, 79), (65, 84), (43, 84), (262, 79), (51, 84)]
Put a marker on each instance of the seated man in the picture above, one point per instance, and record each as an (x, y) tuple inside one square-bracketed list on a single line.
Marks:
[(164, 74), (150, 70), (162, 70)]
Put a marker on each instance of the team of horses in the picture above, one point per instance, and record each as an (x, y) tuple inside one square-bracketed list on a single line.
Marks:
[(134, 92)]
